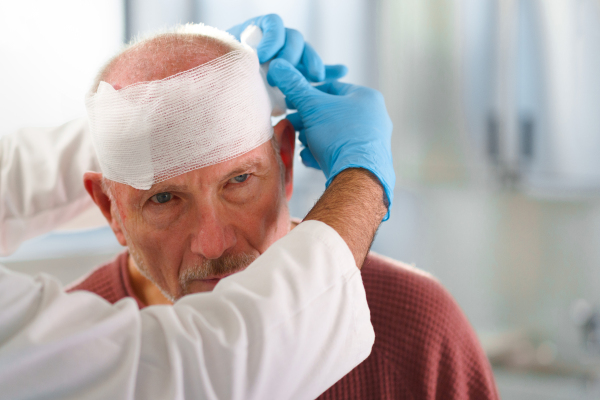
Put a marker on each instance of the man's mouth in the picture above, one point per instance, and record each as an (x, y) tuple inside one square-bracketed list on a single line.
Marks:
[(213, 280), (202, 278), (205, 284), (217, 277)]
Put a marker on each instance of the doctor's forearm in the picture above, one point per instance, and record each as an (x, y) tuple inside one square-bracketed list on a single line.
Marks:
[(262, 333), (353, 205)]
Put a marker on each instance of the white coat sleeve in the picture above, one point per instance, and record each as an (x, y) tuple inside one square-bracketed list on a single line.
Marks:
[(288, 327), (41, 180)]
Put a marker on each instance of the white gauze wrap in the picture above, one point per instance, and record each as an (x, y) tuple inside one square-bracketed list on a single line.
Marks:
[(149, 132)]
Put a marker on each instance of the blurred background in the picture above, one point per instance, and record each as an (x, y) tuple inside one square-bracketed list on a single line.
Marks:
[(496, 111)]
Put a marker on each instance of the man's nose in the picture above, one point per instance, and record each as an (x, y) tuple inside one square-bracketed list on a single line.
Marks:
[(213, 235)]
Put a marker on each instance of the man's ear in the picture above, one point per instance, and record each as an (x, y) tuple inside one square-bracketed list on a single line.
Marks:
[(285, 135), (93, 184)]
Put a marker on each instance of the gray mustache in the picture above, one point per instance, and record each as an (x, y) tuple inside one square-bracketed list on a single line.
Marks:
[(228, 264)]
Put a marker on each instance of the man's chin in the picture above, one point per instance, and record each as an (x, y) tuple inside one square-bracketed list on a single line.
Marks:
[(201, 285)]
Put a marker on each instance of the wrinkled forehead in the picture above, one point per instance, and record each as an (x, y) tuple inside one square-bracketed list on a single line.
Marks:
[(260, 160)]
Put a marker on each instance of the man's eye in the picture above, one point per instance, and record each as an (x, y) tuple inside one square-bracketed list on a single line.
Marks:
[(239, 178), (161, 197)]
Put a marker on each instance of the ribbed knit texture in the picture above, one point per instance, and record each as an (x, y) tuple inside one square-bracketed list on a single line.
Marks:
[(110, 281), (424, 348)]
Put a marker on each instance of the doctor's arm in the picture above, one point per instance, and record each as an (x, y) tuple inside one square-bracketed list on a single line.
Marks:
[(289, 326)]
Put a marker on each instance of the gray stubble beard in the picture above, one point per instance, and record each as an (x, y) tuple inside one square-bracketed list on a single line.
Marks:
[(224, 265)]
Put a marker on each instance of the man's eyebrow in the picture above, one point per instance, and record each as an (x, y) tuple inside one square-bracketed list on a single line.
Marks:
[(167, 188), (256, 162), (240, 169)]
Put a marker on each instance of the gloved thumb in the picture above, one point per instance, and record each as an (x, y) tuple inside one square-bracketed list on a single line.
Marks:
[(290, 81), (308, 159), (273, 37)]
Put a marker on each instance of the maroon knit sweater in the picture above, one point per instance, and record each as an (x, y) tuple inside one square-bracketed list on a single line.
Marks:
[(424, 346)]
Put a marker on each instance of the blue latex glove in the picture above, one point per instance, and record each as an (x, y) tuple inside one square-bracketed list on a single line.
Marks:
[(288, 44), (341, 125)]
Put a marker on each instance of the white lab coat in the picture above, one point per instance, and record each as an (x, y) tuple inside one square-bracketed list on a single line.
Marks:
[(41, 180), (288, 327)]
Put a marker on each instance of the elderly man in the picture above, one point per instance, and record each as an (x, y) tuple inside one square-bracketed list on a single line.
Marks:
[(186, 233)]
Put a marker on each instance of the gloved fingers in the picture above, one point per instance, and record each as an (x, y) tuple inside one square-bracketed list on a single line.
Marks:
[(289, 105), (293, 48), (291, 82), (296, 120), (313, 65), (335, 72), (335, 88), (303, 70), (273, 38), (308, 159), (302, 137)]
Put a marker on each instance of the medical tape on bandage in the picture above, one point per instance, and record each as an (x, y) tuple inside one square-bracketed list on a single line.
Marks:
[(152, 131)]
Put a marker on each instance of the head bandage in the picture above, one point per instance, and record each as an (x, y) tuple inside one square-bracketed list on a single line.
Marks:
[(149, 132)]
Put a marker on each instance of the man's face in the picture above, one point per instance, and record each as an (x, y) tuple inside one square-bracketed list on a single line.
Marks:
[(189, 231)]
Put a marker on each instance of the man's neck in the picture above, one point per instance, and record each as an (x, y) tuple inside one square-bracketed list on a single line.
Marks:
[(144, 289), (148, 292)]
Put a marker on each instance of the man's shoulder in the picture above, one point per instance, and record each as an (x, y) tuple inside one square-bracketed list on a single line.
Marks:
[(107, 280), (409, 304), (389, 280), (424, 345)]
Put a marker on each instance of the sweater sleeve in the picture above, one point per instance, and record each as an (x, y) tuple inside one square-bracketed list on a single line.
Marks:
[(289, 326)]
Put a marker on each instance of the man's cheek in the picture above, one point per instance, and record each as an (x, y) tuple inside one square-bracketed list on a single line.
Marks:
[(160, 252), (157, 241), (247, 195), (146, 238), (274, 220), (161, 218)]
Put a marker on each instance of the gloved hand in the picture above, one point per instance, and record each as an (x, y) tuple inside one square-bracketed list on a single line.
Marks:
[(288, 44), (341, 125)]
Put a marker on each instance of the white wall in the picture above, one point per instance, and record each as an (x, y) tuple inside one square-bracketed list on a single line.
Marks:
[(51, 51), (342, 31)]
